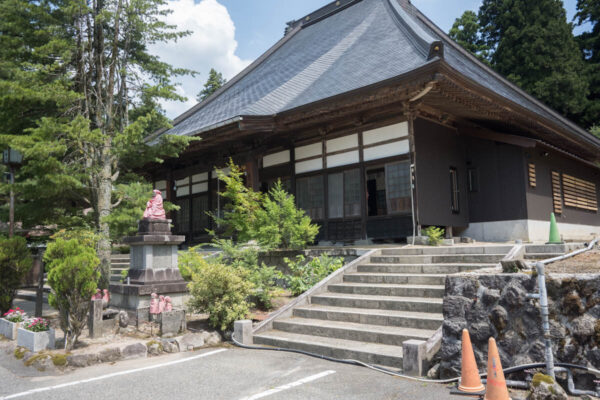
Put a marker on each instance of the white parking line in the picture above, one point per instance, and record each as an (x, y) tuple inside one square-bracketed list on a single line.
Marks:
[(289, 385), (98, 378)]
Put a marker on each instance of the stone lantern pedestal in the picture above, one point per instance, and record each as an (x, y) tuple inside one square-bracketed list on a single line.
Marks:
[(153, 269)]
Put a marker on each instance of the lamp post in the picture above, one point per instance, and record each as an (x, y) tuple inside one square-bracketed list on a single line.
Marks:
[(13, 159)]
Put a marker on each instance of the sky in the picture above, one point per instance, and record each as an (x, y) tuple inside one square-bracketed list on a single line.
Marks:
[(229, 34)]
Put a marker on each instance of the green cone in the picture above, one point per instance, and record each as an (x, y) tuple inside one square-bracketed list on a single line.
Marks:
[(554, 235)]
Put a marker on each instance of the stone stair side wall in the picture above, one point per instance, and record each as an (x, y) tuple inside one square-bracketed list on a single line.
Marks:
[(497, 306)]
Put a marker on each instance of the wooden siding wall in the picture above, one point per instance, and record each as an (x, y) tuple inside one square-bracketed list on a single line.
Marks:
[(439, 148), (540, 198), (501, 175)]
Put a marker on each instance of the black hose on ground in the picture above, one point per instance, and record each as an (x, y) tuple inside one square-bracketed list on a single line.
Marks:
[(509, 370)]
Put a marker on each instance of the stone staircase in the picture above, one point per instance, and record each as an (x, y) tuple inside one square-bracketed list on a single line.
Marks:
[(394, 296), (118, 263)]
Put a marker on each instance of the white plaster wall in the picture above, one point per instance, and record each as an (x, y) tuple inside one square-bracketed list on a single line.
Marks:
[(385, 133), (540, 231), (527, 230), (276, 158), (497, 231)]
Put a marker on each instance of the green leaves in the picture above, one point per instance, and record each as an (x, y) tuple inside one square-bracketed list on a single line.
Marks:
[(466, 31), (305, 275), (73, 273), (15, 263), (213, 83)]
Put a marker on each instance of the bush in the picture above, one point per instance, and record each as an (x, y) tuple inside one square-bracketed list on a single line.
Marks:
[(73, 273), (272, 220), (305, 275), (189, 262), (15, 263), (280, 224), (220, 291), (245, 260), (435, 235)]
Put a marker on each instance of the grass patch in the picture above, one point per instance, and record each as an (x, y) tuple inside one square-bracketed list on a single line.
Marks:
[(20, 353), (539, 378), (59, 360)]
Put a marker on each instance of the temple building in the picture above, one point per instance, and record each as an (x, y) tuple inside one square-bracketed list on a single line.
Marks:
[(380, 124)]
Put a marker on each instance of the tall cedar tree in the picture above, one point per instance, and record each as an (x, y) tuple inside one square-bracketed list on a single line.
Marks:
[(466, 31), (213, 83), (588, 12), (533, 45), (86, 140)]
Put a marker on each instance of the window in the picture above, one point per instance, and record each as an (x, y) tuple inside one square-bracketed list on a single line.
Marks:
[(398, 187), (388, 189), (578, 193), (454, 193), (310, 196), (182, 216), (201, 220), (344, 194), (556, 193), (473, 177), (531, 174)]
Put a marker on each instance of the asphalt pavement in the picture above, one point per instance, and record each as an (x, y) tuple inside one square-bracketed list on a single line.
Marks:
[(216, 373)]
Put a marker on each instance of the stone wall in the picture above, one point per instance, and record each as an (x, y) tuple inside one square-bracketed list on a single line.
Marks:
[(496, 305)]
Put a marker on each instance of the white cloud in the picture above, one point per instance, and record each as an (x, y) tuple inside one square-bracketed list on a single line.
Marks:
[(212, 44)]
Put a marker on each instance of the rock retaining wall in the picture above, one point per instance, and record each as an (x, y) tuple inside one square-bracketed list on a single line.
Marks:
[(496, 305)]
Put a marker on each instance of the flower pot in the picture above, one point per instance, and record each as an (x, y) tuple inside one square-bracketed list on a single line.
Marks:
[(36, 341), (9, 329)]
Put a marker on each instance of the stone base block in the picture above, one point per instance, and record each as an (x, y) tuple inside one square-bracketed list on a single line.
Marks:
[(138, 306), (172, 322), (419, 240), (36, 341), (9, 329), (242, 331), (413, 356)]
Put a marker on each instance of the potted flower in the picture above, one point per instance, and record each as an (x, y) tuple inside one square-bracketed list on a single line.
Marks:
[(35, 334), (10, 322)]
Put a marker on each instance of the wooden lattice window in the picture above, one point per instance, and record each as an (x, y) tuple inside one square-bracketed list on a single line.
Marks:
[(579, 193), (556, 193), (532, 177)]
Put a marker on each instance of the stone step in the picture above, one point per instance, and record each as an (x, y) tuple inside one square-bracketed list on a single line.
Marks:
[(380, 354), (116, 278), (418, 320), (413, 279), (386, 289), (418, 304), (379, 334), (541, 256), (551, 248), (119, 264), (439, 259), (420, 268), (447, 250)]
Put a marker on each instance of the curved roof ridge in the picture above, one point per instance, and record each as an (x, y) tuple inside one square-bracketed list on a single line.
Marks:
[(417, 14), (424, 40)]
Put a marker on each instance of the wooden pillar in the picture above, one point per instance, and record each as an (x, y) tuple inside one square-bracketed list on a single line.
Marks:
[(410, 112), (251, 168), (363, 188)]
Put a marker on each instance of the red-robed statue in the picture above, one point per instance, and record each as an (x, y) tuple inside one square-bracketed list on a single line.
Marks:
[(154, 207)]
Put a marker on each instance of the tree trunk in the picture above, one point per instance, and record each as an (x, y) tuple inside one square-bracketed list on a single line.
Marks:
[(104, 207)]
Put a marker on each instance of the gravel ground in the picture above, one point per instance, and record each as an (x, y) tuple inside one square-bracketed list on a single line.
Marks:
[(588, 262)]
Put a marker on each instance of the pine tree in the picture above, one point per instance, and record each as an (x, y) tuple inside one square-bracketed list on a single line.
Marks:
[(466, 31), (588, 11), (89, 129), (213, 83), (533, 45)]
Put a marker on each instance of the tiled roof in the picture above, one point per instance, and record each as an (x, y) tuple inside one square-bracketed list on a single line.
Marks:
[(347, 45)]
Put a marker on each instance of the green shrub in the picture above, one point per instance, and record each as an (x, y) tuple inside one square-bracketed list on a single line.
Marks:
[(240, 205), (435, 235), (245, 260), (280, 224), (15, 263), (73, 273), (272, 220), (220, 291), (189, 261), (305, 275)]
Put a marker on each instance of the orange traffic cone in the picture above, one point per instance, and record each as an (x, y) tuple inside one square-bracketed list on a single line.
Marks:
[(469, 374), (496, 384)]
